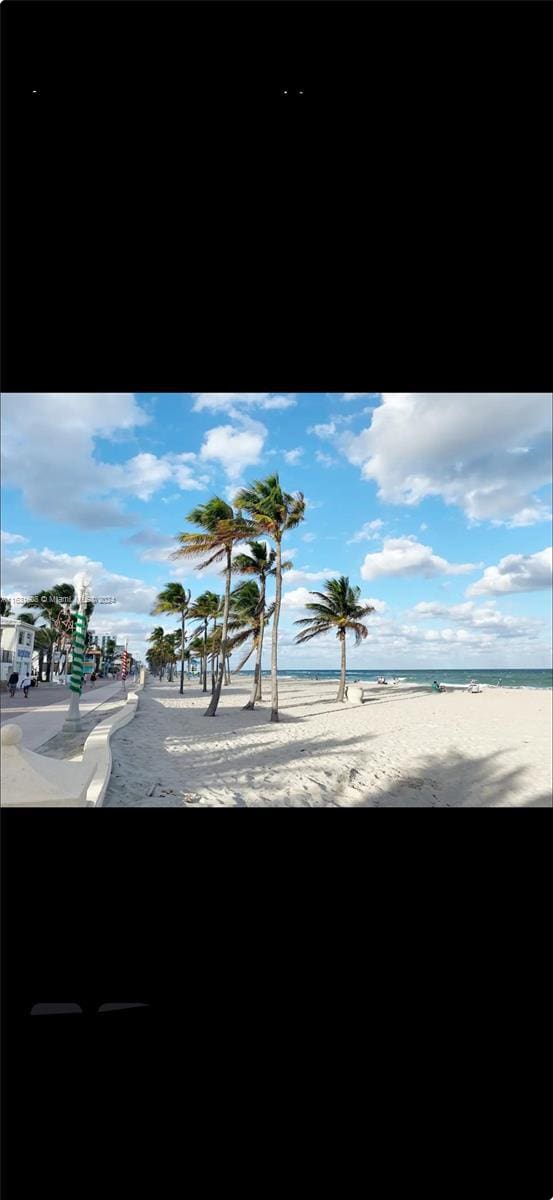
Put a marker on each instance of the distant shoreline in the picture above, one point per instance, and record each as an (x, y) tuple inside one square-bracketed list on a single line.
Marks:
[(507, 677)]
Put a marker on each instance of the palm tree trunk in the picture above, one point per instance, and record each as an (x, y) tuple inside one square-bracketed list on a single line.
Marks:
[(274, 643), (205, 658), (258, 695), (342, 685), (182, 657), (212, 707), (244, 660), (256, 684), (213, 657)]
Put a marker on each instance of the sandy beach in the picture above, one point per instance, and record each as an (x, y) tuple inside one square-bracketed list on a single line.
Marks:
[(401, 749)]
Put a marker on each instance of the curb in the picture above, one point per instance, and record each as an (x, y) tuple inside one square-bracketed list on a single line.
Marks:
[(97, 748)]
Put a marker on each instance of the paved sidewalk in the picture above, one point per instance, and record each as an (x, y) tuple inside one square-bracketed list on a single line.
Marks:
[(42, 721)]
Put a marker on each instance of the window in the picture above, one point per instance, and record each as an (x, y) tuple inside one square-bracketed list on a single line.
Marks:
[(7, 656), (28, 638), (20, 639)]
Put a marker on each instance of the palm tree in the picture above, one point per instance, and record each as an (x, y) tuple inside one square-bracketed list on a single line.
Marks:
[(109, 653), (337, 608), (175, 599), (205, 609), (272, 512), (28, 618), (221, 530), (249, 616), (259, 561), (169, 650), (45, 638), (54, 606), (197, 648), (158, 648)]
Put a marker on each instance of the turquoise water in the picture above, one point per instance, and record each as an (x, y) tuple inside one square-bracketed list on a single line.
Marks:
[(505, 678)]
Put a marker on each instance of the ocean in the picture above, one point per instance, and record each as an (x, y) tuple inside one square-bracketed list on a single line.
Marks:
[(507, 677)]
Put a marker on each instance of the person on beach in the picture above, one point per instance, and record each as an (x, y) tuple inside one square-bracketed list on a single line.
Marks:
[(25, 685), (12, 682), (436, 687)]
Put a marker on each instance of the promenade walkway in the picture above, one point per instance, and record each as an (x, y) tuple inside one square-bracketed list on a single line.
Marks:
[(42, 716)]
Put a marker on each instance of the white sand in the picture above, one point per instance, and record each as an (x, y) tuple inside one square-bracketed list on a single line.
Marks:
[(401, 749)]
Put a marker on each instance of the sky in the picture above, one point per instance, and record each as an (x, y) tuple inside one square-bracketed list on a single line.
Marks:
[(437, 505)]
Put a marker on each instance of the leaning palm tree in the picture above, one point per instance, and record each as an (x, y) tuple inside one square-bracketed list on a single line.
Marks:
[(169, 648), (44, 640), (175, 599), (28, 618), (54, 610), (272, 512), (205, 609), (248, 617), (158, 648), (197, 648), (337, 608), (221, 530), (258, 561)]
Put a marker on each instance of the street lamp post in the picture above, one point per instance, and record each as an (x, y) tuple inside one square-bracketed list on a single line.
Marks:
[(72, 723)]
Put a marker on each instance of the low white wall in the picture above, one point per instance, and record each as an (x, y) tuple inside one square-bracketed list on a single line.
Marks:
[(32, 780), (97, 748)]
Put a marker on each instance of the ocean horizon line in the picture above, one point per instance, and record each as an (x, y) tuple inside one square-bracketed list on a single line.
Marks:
[(536, 677)]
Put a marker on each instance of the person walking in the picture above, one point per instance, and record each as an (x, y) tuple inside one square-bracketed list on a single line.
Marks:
[(25, 684), (93, 679), (13, 682)]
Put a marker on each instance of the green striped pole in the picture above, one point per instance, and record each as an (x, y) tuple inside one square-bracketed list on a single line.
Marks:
[(77, 666), (72, 722)]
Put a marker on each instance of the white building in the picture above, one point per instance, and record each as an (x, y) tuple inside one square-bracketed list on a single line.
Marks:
[(17, 641)]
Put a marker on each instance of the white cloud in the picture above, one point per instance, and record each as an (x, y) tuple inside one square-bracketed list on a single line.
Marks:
[(405, 556), (31, 571), (9, 539), (234, 403), (324, 430), (234, 448), (325, 460), (379, 606), (515, 573), (293, 456), (309, 537), (356, 395), (49, 448), (459, 446), (313, 504), (297, 598), (305, 576), (479, 617), (423, 526), (369, 532), (528, 516)]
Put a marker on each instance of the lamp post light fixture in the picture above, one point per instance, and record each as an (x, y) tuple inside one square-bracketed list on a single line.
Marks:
[(72, 723)]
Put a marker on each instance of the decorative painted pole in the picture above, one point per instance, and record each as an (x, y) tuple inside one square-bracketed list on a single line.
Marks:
[(124, 662), (72, 723)]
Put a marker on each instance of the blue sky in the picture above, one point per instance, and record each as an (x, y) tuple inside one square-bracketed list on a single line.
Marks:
[(436, 505)]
